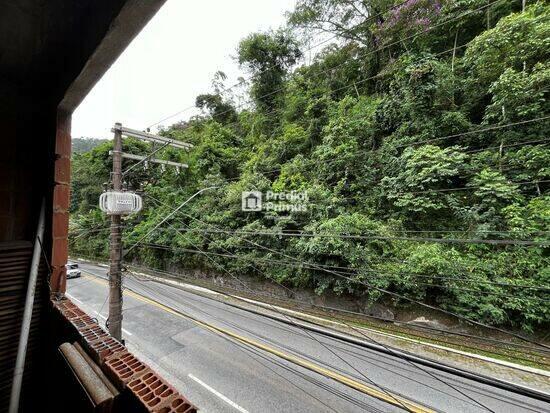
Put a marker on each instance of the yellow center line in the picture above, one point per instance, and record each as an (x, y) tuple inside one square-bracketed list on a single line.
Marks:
[(387, 397)]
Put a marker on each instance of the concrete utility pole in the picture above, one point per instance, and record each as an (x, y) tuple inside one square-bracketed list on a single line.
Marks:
[(116, 203), (115, 278)]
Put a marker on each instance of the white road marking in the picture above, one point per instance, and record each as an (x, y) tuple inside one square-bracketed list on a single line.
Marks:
[(217, 393), (73, 298)]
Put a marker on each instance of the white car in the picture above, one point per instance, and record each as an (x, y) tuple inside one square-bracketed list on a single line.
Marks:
[(72, 270)]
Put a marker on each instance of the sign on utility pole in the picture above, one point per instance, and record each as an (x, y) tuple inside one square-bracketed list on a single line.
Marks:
[(117, 202)]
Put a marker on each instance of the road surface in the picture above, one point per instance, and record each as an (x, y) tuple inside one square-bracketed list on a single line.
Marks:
[(220, 373)]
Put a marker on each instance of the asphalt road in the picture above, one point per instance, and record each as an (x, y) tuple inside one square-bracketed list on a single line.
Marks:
[(222, 374)]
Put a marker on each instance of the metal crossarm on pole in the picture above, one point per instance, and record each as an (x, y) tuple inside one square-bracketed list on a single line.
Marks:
[(152, 138), (153, 160), (145, 158)]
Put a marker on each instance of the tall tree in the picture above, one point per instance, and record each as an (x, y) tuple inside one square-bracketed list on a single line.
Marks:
[(268, 56), (351, 20)]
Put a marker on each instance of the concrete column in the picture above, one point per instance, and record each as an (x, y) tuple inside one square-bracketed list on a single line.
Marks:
[(61, 202)]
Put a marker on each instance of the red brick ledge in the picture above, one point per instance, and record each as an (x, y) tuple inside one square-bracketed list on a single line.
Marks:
[(125, 370)]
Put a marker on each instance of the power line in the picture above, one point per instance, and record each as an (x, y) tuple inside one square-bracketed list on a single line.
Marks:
[(447, 332), (378, 276), (398, 295), (243, 81), (363, 315), (395, 42), (403, 231), (410, 359), (382, 290), (378, 237), (397, 400), (277, 110), (531, 142), (167, 218), (375, 272), (306, 162), (334, 353), (418, 327), (352, 85), (487, 129), (468, 188), (175, 297), (87, 232), (369, 52), (395, 354), (391, 277), (155, 294), (355, 271), (480, 130), (160, 297)]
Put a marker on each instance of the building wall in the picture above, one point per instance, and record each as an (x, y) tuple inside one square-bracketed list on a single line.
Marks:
[(61, 201)]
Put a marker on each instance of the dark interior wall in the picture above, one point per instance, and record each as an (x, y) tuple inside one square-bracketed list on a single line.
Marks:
[(44, 44), (26, 161), (44, 47)]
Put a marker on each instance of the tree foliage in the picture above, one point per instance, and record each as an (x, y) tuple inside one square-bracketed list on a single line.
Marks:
[(421, 120)]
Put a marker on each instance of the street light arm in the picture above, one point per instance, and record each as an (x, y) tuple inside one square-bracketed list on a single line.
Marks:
[(170, 215)]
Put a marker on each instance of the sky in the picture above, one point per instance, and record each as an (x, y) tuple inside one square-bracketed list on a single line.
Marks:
[(173, 60)]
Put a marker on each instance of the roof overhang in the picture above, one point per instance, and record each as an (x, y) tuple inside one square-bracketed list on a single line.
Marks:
[(56, 50), (133, 16)]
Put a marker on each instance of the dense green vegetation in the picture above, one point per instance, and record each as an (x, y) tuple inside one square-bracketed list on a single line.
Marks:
[(426, 119)]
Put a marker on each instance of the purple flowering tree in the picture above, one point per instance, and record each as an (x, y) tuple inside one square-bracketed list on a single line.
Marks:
[(407, 22)]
